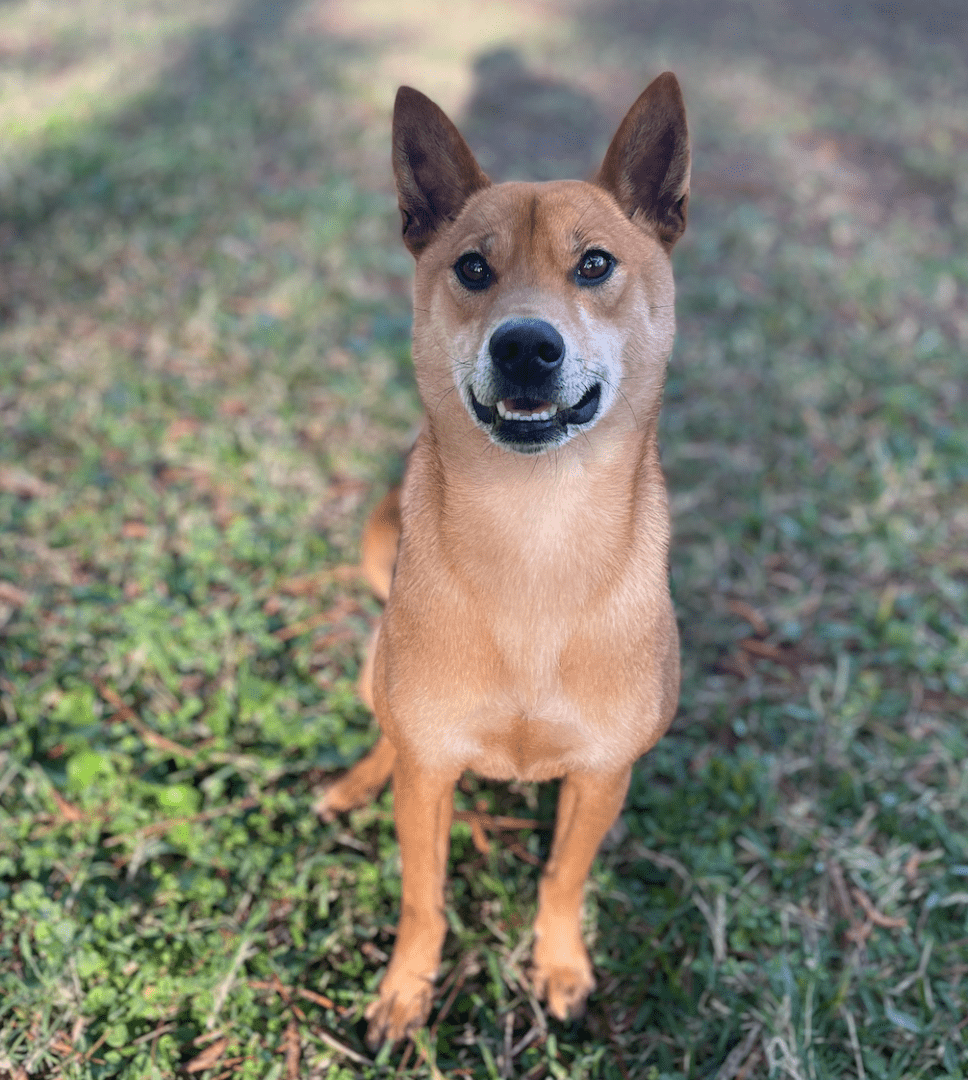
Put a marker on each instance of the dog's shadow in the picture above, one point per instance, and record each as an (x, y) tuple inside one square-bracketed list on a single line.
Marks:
[(524, 126)]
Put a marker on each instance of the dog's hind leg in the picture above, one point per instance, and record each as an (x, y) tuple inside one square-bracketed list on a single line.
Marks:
[(361, 784), (367, 777), (588, 805), (364, 781)]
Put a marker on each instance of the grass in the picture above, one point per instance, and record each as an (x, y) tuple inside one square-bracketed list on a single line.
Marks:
[(205, 384)]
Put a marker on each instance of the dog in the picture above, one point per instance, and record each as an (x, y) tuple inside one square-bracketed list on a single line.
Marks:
[(528, 631)]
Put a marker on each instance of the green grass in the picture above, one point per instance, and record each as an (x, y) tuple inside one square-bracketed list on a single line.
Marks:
[(204, 384)]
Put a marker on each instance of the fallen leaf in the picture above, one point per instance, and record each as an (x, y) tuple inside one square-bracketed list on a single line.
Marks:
[(209, 1057), (764, 650), (751, 615), (68, 811), (180, 428), (23, 484)]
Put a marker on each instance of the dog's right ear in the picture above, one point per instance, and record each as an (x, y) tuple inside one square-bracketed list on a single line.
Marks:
[(647, 165), (435, 170)]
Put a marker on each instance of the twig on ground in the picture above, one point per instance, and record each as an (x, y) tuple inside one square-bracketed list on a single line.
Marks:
[(159, 827), (738, 1056)]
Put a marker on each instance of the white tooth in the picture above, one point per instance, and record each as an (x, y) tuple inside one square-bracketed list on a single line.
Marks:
[(509, 414)]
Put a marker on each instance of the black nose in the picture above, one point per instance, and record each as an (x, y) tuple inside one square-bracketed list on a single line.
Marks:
[(526, 351)]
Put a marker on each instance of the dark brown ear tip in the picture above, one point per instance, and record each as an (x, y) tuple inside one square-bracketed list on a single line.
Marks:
[(408, 99), (668, 85)]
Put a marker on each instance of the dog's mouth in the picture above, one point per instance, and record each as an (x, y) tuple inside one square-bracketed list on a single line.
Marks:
[(529, 424)]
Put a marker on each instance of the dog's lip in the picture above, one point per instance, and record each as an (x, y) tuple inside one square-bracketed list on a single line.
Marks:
[(582, 412), (487, 414)]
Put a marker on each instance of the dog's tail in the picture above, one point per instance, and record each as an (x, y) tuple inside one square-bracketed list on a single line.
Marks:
[(380, 539)]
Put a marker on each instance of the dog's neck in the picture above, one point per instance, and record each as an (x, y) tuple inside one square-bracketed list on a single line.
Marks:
[(512, 519)]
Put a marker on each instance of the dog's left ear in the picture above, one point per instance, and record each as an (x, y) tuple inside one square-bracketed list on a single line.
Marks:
[(646, 167), (434, 168)]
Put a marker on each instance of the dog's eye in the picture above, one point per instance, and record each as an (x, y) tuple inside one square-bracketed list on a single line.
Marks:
[(472, 271), (595, 266)]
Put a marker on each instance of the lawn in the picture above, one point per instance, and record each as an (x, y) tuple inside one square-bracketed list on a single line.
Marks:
[(204, 386)]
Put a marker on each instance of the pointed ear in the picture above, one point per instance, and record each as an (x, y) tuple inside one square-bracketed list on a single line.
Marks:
[(646, 168), (434, 168)]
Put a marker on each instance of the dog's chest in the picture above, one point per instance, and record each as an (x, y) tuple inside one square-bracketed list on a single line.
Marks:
[(517, 657), (524, 748), (530, 720), (528, 738)]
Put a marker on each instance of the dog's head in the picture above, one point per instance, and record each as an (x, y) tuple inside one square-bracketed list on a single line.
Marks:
[(548, 307)]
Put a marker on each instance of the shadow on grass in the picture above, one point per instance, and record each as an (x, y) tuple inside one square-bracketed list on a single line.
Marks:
[(785, 31), (524, 126), (220, 122)]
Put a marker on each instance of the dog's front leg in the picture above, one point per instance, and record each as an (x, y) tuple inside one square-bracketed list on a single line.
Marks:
[(423, 807), (588, 805)]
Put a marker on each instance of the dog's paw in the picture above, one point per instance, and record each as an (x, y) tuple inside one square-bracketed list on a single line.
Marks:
[(565, 986), (331, 802), (341, 796), (401, 1008)]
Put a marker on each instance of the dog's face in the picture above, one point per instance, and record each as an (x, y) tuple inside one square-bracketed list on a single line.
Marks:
[(548, 308), (545, 307)]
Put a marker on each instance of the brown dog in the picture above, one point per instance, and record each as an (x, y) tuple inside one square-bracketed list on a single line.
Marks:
[(528, 632)]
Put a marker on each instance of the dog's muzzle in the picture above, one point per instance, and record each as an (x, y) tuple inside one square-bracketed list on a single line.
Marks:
[(530, 413)]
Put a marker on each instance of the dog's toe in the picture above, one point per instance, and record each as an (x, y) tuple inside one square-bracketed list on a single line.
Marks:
[(399, 1011), (565, 987), (566, 992)]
